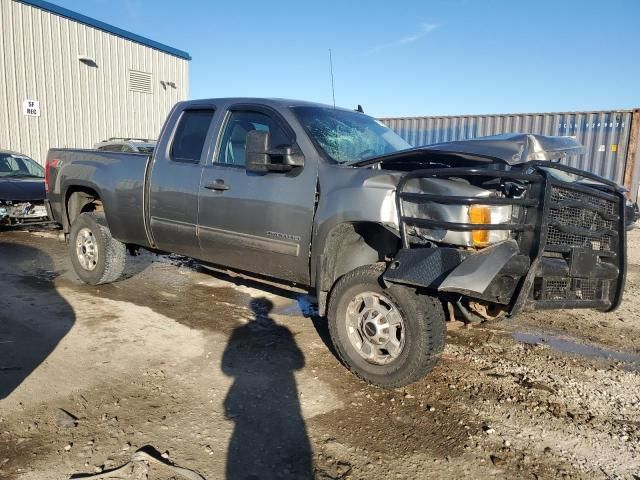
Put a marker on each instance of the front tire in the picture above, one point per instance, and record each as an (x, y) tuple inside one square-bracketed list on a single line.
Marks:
[(96, 256), (389, 337)]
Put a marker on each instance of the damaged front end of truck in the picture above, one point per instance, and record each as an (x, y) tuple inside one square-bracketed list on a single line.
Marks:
[(498, 225)]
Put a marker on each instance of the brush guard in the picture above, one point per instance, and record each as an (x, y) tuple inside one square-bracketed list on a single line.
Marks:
[(570, 241)]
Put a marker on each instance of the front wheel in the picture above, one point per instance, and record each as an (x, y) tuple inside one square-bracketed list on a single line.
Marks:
[(96, 256), (389, 337)]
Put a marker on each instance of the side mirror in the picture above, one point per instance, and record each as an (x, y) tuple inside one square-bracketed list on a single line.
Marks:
[(257, 151), (260, 157)]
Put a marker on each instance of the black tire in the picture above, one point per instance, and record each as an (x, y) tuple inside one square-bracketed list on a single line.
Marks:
[(111, 256), (424, 324)]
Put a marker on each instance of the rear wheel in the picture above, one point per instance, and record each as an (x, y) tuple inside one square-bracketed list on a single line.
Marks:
[(390, 337), (96, 256)]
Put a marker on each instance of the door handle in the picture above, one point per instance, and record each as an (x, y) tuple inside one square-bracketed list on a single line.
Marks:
[(218, 185)]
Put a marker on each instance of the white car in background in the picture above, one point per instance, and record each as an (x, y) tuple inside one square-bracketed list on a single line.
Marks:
[(127, 145)]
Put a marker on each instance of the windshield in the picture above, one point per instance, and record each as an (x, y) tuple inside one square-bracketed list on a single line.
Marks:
[(347, 136), (12, 165)]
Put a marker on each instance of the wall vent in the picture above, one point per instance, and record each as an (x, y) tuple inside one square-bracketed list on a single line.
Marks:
[(140, 82)]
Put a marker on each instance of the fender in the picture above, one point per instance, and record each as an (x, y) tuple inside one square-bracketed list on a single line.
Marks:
[(473, 276), (491, 274), (82, 184)]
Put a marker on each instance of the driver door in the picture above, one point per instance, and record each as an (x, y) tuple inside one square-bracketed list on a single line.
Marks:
[(258, 222)]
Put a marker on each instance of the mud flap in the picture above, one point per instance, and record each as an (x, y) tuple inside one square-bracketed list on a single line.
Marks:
[(473, 276)]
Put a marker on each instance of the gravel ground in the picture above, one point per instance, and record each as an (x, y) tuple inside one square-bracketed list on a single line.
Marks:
[(233, 380)]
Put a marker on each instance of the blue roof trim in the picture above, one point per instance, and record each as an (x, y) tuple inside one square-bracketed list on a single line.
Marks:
[(92, 22)]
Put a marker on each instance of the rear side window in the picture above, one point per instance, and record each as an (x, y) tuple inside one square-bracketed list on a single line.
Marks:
[(188, 141)]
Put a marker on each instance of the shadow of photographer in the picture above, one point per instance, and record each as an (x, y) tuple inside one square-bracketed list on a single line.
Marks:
[(270, 437), (34, 318)]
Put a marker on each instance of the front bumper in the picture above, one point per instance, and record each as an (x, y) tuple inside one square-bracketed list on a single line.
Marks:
[(23, 213), (569, 250)]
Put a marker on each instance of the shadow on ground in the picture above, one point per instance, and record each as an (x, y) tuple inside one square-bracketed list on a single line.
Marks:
[(270, 437), (33, 316)]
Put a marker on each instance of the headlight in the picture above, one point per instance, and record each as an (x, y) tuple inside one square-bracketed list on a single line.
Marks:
[(485, 214)]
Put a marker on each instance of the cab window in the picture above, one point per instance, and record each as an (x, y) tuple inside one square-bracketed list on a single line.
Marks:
[(190, 135)]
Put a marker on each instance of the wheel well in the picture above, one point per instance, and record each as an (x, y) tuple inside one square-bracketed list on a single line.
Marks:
[(80, 200), (352, 245)]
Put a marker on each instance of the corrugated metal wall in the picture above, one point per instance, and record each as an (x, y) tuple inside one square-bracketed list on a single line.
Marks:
[(80, 104), (604, 134)]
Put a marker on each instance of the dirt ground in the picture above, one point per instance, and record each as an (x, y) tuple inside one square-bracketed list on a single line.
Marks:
[(232, 380)]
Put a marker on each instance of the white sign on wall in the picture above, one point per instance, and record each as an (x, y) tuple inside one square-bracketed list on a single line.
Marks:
[(31, 108)]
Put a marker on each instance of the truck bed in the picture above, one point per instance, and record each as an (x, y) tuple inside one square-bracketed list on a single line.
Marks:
[(118, 179)]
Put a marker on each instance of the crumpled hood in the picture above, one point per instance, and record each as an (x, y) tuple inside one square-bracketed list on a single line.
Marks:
[(515, 147), (22, 189), (511, 148)]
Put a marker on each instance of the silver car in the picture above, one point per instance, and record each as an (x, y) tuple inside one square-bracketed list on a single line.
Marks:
[(127, 145)]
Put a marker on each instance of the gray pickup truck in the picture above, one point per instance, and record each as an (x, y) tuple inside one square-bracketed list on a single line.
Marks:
[(392, 240)]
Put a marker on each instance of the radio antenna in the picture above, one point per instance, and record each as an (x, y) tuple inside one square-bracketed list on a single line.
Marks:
[(333, 89)]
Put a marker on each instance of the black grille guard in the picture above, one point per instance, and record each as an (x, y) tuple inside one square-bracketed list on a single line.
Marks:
[(535, 226)]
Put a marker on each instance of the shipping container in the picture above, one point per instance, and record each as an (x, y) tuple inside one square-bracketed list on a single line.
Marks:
[(610, 137)]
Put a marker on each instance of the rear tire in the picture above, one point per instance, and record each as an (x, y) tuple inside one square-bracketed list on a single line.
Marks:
[(96, 256), (389, 337)]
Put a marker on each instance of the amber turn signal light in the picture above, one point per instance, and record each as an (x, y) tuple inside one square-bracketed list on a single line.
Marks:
[(479, 214)]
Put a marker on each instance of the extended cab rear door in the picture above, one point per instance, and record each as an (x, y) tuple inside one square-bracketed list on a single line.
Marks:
[(258, 222), (174, 182)]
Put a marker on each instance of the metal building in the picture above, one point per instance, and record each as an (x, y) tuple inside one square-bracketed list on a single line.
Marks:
[(67, 80), (611, 138)]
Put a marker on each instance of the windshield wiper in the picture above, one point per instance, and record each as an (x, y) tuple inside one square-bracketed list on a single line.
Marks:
[(364, 162)]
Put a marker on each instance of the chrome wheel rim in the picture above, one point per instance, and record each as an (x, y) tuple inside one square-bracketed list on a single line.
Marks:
[(375, 328), (87, 249)]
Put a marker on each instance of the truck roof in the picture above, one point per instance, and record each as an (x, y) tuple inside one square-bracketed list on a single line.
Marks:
[(270, 102)]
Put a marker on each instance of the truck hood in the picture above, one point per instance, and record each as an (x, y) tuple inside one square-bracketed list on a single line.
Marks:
[(510, 148), (25, 189)]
